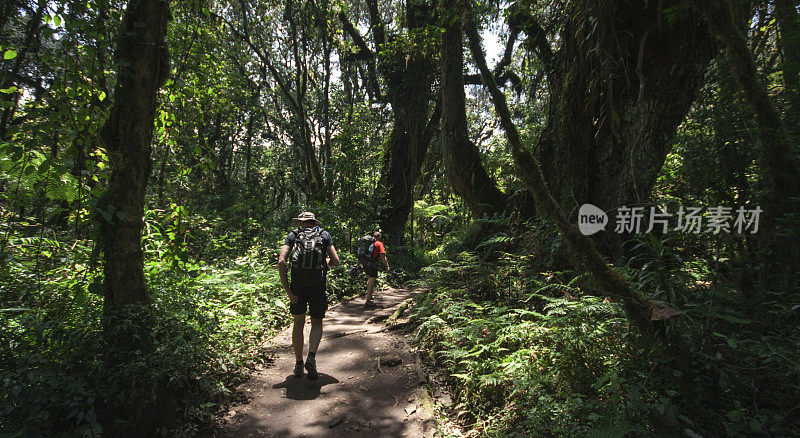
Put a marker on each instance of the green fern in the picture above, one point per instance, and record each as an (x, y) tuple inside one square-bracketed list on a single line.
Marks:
[(61, 187)]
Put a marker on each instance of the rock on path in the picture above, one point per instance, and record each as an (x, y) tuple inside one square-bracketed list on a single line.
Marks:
[(368, 383)]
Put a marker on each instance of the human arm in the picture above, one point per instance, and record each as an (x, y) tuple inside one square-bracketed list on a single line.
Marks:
[(333, 259), (283, 259), (385, 262)]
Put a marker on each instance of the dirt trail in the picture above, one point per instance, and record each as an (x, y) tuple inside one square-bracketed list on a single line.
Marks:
[(354, 396)]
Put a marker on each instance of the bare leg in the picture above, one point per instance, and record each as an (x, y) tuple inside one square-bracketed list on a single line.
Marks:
[(370, 287), (297, 336), (315, 335)]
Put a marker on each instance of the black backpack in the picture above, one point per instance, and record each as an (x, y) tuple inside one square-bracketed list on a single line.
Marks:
[(364, 248), (308, 251)]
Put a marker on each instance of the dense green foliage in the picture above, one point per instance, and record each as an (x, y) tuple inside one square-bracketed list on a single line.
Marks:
[(209, 321), (530, 350), (272, 108)]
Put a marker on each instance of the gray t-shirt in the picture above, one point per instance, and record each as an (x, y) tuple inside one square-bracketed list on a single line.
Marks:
[(308, 277)]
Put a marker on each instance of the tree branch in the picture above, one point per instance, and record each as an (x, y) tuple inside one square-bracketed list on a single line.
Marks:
[(521, 19), (378, 33), (508, 76), (509, 51), (364, 53), (245, 37)]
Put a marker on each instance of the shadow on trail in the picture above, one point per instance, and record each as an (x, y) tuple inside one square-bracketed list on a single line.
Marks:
[(300, 388), (353, 397)]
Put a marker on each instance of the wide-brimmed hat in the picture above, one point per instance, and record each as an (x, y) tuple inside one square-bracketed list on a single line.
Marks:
[(305, 216)]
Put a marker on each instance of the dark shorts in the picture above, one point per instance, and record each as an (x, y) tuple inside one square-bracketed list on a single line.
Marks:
[(370, 266), (371, 270), (311, 299)]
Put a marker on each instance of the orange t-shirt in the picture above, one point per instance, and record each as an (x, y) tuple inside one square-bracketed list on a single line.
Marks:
[(378, 249)]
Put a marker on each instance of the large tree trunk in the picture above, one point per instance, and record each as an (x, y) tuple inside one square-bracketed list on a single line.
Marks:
[(612, 284), (316, 189), (409, 76), (142, 66), (622, 81), (408, 70), (461, 157), (405, 153)]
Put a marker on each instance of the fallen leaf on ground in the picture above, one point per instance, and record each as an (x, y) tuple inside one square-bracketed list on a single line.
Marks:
[(663, 312)]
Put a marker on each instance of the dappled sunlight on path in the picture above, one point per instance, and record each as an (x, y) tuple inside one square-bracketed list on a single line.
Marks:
[(354, 396)]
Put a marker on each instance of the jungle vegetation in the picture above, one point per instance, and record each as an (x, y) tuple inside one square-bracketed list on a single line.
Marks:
[(153, 153)]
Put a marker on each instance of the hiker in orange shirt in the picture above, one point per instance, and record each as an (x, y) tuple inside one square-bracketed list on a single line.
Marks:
[(376, 254)]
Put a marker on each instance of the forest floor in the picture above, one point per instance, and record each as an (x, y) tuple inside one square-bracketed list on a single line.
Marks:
[(370, 382)]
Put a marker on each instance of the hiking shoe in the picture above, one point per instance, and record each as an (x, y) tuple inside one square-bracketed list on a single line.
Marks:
[(298, 369), (311, 367)]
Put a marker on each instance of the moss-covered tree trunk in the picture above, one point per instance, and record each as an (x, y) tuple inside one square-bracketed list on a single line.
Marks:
[(405, 153), (621, 82), (142, 65), (461, 157), (406, 63), (408, 71), (612, 284)]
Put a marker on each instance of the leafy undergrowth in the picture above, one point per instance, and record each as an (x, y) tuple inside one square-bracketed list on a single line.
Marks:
[(209, 324), (532, 353)]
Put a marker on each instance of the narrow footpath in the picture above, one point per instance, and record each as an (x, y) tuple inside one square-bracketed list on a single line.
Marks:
[(370, 382)]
